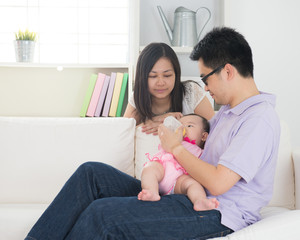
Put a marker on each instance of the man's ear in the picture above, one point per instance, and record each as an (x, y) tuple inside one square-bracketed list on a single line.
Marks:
[(204, 136), (230, 71)]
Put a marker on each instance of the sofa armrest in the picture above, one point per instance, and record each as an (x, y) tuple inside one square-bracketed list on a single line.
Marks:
[(296, 160), (285, 223)]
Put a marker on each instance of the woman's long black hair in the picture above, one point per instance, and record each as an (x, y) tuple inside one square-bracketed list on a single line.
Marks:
[(147, 59)]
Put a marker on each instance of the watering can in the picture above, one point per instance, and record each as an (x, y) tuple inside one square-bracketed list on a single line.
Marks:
[(184, 33)]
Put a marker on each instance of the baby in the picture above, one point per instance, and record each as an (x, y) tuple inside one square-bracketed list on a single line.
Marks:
[(163, 175)]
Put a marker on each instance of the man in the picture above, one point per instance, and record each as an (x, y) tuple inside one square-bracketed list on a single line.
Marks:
[(239, 158), (237, 166)]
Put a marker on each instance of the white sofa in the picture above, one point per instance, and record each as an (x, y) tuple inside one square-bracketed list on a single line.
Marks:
[(38, 155)]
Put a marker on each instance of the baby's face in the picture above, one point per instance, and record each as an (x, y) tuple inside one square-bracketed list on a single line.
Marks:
[(193, 127)]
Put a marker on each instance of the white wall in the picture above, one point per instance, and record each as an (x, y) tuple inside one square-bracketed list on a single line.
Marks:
[(272, 30), (152, 29)]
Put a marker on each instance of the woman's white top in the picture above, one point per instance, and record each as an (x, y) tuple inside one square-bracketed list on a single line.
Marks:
[(194, 94)]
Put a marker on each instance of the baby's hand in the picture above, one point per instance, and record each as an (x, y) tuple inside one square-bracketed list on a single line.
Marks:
[(176, 115)]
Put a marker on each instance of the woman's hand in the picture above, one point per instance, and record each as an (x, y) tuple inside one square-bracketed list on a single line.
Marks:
[(170, 140), (151, 126)]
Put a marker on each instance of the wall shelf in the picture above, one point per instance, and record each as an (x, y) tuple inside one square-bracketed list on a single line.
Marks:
[(50, 90)]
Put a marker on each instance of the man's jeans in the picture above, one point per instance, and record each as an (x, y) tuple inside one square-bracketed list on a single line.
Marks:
[(100, 202)]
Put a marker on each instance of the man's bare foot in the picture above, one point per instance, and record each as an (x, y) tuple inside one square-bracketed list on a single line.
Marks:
[(147, 195), (206, 204)]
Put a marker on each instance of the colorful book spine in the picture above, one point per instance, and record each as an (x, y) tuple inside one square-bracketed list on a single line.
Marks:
[(88, 95), (95, 96), (116, 95), (122, 94), (102, 96), (109, 94)]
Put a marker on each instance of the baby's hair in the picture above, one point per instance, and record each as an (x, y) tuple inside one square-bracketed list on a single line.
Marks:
[(206, 125)]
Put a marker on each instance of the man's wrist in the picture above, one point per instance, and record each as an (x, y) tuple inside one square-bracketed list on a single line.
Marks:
[(177, 150)]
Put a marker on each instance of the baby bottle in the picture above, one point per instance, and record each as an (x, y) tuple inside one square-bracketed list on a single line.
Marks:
[(172, 123)]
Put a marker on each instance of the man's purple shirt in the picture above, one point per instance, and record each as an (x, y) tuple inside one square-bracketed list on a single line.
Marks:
[(245, 139)]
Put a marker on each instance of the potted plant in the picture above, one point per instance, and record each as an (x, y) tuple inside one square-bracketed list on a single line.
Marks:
[(25, 45)]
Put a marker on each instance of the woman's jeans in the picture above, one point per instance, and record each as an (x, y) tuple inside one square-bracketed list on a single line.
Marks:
[(100, 202)]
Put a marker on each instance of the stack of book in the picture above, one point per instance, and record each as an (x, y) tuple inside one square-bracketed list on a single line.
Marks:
[(105, 95)]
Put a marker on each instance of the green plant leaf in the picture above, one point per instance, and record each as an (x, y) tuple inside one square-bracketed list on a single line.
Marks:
[(26, 35)]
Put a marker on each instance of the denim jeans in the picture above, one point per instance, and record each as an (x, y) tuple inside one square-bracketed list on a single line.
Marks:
[(100, 202)]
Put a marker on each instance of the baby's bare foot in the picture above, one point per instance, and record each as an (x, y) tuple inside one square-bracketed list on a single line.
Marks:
[(206, 204), (147, 195)]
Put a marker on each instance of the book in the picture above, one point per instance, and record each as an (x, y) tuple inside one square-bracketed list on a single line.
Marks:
[(125, 102), (109, 94), (88, 95), (116, 95), (122, 95), (95, 96), (102, 96)]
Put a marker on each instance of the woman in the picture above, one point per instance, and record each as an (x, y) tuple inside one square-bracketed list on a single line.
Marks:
[(158, 91)]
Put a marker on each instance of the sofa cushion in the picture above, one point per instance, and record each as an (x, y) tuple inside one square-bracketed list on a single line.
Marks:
[(144, 143), (38, 154), (284, 187), (296, 160), (16, 220)]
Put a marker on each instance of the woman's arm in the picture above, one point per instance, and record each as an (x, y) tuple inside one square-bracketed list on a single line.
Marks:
[(205, 109), (150, 126), (131, 113), (196, 100)]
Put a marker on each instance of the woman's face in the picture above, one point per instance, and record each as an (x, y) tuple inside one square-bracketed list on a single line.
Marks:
[(161, 79)]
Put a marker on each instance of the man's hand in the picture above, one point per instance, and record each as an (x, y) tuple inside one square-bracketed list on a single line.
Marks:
[(169, 139)]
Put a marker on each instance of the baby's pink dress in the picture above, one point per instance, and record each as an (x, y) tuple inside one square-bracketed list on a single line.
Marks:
[(172, 168)]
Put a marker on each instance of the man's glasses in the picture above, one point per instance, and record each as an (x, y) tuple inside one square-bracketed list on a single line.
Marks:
[(204, 79)]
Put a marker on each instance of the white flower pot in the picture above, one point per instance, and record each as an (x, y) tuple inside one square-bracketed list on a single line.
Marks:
[(24, 50)]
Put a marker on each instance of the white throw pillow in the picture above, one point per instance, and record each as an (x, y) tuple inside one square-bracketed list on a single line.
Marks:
[(144, 143)]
